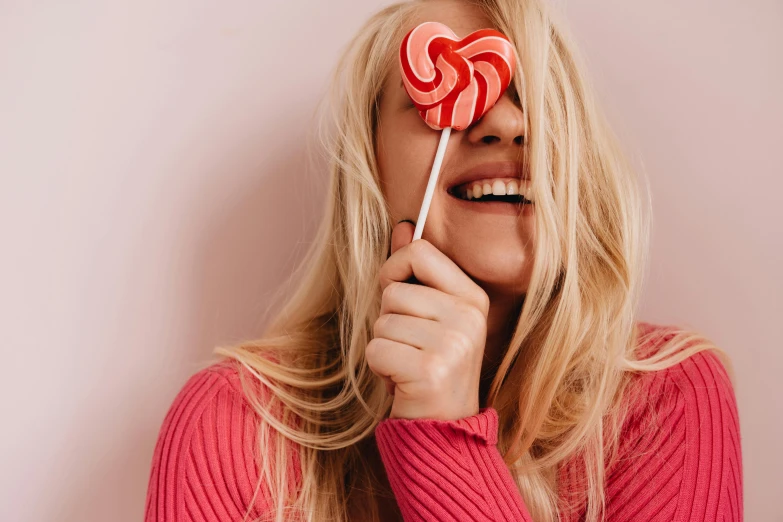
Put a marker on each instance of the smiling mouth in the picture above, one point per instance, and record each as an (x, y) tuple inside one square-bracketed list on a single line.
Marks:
[(487, 198)]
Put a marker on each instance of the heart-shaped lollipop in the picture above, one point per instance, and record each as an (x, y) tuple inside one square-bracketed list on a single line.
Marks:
[(455, 82)]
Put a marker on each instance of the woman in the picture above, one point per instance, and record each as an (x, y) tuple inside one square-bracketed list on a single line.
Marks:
[(510, 380)]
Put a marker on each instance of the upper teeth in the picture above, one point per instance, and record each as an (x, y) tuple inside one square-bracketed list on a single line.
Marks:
[(497, 187)]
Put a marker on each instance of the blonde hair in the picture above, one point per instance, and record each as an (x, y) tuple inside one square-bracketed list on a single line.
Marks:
[(559, 388)]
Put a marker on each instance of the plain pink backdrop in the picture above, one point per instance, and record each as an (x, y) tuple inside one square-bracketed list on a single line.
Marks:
[(153, 196)]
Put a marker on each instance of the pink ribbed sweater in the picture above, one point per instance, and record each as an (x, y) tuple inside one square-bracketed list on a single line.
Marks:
[(680, 457)]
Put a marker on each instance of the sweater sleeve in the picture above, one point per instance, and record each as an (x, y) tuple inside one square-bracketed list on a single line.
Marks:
[(204, 466), (681, 459), (449, 470)]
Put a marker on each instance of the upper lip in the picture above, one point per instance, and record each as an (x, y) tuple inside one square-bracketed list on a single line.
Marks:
[(489, 170)]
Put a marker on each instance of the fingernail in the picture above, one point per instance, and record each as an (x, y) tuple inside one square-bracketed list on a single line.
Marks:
[(408, 220)]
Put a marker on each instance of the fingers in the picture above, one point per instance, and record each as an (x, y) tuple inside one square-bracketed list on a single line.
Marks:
[(389, 385), (393, 360), (419, 301), (431, 267), (417, 332), (402, 234)]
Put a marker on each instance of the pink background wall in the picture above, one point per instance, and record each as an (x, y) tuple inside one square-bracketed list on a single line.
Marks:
[(152, 197)]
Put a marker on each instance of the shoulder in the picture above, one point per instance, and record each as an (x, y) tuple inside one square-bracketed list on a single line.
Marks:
[(209, 390), (210, 403), (218, 388), (696, 399), (205, 463), (681, 434), (700, 377)]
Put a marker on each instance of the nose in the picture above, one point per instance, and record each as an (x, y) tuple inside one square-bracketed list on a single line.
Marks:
[(504, 123)]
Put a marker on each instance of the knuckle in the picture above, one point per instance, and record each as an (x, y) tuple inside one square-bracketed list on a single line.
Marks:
[(474, 317), (377, 328), (436, 373), (420, 248), (387, 292), (369, 352), (371, 355), (483, 301), (458, 342)]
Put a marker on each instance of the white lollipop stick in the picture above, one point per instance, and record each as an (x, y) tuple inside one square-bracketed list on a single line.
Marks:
[(425, 206)]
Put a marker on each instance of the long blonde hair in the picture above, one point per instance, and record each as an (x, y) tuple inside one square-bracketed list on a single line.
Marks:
[(559, 388)]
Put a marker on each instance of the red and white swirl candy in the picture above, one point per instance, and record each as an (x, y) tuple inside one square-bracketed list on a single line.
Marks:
[(455, 82)]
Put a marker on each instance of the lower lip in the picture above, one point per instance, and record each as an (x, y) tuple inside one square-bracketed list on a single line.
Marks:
[(496, 207)]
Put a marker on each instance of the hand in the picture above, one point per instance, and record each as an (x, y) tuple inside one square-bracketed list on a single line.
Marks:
[(428, 342)]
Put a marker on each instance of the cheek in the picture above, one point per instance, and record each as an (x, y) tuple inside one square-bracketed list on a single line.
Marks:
[(407, 155), (405, 149), (406, 169)]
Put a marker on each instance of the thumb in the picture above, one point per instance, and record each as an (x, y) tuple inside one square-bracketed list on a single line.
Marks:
[(402, 234)]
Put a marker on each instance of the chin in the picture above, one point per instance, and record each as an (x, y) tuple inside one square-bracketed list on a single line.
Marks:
[(508, 276), (500, 262)]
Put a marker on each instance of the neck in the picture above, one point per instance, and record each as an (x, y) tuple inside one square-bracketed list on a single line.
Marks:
[(501, 320)]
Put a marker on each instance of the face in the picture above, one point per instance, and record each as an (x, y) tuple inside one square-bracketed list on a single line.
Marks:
[(491, 242)]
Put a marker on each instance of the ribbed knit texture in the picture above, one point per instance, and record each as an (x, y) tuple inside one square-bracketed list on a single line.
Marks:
[(679, 456), (205, 465)]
